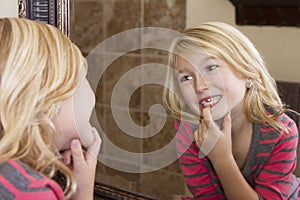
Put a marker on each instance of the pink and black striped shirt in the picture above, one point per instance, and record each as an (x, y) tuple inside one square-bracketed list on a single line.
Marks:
[(19, 182), (269, 168)]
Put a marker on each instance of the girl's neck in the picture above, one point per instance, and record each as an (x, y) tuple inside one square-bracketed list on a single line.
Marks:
[(239, 123)]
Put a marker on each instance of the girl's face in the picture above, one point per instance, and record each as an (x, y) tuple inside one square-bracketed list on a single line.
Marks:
[(204, 80), (72, 121)]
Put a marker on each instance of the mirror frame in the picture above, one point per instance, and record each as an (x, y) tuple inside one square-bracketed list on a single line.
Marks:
[(54, 12)]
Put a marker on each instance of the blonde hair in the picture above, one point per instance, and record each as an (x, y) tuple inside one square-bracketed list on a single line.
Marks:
[(39, 67), (223, 41)]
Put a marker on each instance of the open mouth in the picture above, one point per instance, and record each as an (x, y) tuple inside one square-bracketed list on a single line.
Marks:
[(209, 101)]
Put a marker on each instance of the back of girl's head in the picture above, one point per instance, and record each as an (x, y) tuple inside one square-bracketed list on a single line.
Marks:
[(39, 67), (223, 41)]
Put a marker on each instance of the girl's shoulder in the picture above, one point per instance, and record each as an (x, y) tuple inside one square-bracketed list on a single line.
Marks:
[(270, 132), (284, 118), (14, 167), (17, 178)]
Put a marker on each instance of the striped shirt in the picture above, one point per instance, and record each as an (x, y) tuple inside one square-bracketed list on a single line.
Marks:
[(269, 168), (18, 181)]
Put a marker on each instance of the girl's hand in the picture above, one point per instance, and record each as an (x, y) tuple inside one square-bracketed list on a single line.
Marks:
[(212, 141), (83, 165)]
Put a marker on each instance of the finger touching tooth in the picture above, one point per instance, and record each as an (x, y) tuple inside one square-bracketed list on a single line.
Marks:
[(207, 104)]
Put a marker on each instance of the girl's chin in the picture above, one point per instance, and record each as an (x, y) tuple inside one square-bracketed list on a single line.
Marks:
[(218, 117), (86, 142), (218, 113)]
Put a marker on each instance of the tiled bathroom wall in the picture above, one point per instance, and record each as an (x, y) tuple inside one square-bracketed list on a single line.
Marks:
[(94, 22)]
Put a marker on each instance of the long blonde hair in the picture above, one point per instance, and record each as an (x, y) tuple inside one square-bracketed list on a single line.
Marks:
[(39, 68), (227, 43)]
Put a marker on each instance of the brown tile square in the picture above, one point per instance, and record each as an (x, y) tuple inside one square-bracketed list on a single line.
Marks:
[(154, 73), (121, 136), (161, 185), (162, 144), (118, 146), (100, 114), (120, 80), (122, 15), (165, 13), (87, 24), (130, 177)]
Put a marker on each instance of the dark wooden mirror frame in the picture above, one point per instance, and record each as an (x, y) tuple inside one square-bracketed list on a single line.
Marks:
[(58, 13), (54, 12)]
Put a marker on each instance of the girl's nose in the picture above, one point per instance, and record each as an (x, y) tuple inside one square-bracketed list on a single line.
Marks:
[(200, 83)]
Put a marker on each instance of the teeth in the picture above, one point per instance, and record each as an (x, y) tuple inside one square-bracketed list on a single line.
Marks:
[(210, 101)]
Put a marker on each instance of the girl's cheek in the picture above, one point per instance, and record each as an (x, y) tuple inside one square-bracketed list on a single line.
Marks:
[(186, 90), (220, 82), (189, 96)]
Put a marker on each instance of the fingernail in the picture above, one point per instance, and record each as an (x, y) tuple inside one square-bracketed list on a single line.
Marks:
[(75, 143)]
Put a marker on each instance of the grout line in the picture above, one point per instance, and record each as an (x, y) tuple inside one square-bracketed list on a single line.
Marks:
[(132, 109)]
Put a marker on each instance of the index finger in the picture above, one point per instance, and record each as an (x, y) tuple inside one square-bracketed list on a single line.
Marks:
[(77, 154), (207, 118)]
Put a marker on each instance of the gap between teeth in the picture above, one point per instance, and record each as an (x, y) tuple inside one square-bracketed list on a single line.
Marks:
[(210, 101)]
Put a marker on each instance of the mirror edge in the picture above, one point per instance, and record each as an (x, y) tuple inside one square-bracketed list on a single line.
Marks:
[(54, 12)]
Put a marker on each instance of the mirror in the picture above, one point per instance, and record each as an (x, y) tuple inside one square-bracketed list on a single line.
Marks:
[(88, 23), (57, 13)]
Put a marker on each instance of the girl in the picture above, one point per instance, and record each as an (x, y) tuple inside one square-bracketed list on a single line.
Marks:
[(42, 74), (245, 145)]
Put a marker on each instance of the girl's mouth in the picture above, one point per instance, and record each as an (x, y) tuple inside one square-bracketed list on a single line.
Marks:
[(209, 101)]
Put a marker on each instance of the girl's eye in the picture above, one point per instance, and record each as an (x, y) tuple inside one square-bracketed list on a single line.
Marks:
[(186, 78), (211, 67)]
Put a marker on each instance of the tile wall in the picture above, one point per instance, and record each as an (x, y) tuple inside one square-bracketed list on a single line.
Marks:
[(93, 22)]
